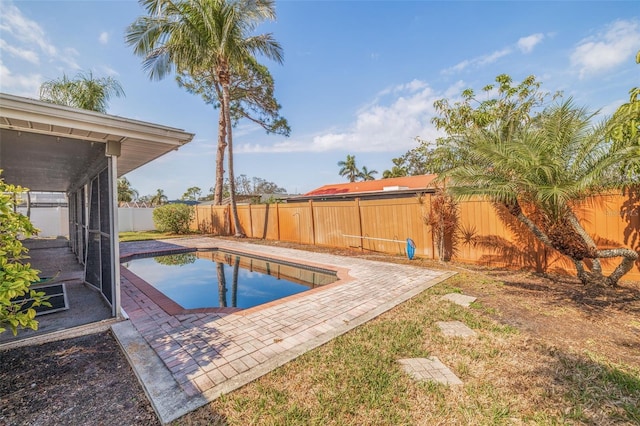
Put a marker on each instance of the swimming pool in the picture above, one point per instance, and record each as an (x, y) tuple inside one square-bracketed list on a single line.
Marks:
[(223, 279)]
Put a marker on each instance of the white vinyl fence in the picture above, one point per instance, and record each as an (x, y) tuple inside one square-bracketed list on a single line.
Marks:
[(51, 221), (54, 221), (135, 219)]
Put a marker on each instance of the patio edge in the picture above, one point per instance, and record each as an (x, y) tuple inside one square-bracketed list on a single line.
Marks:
[(167, 398)]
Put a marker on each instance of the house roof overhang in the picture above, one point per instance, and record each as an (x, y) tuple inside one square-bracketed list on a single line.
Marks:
[(48, 147)]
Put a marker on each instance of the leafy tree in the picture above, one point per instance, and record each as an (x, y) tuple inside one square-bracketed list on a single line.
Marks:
[(624, 126), (126, 193), (537, 165), (348, 168), (174, 218), (209, 196), (253, 186), (159, 198), (398, 169), (207, 39), (16, 276), (146, 199), (191, 194), (413, 163), (83, 91), (251, 94), (504, 104), (367, 174), (263, 186)]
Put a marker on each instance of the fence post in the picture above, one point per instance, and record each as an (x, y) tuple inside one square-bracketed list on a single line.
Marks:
[(313, 225), (250, 222), (433, 240), (278, 221), (357, 201)]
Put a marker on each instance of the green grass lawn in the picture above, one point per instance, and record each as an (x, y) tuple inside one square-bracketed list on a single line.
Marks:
[(509, 378), (147, 235), (518, 370)]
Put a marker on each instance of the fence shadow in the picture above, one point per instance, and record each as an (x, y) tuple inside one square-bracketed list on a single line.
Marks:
[(630, 212)]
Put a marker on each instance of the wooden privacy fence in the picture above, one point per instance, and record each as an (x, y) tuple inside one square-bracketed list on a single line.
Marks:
[(487, 236)]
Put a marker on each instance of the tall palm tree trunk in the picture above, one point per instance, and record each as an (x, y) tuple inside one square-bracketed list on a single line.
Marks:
[(232, 178), (222, 145)]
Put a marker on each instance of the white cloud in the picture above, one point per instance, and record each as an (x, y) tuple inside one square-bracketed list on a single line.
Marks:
[(607, 49), (25, 39), (378, 127), (24, 29), (104, 37), (27, 55), (27, 85), (526, 44), (108, 70), (478, 61), (69, 58)]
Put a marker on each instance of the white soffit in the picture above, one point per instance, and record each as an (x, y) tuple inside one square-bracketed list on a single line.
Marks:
[(47, 140)]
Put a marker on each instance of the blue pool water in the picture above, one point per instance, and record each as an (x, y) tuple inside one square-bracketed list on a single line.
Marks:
[(213, 279)]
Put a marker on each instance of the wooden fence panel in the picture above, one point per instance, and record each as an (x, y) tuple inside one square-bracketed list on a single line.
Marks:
[(264, 221), (295, 223), (334, 220), (212, 220), (244, 217), (396, 219), (613, 221), (489, 236)]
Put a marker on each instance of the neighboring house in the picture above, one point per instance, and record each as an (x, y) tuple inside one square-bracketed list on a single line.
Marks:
[(401, 187), (53, 148), (243, 199)]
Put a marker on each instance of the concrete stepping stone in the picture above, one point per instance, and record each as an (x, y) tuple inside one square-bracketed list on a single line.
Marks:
[(460, 299), (429, 369), (455, 329)]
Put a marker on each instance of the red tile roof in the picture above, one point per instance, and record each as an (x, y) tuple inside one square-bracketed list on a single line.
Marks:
[(407, 182)]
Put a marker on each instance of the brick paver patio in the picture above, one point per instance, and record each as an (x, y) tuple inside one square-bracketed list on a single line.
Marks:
[(213, 353)]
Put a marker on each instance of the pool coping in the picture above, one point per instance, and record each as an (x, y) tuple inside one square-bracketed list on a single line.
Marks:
[(190, 360)]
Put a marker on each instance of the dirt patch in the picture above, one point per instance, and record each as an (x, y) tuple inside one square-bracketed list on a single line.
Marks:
[(87, 380), (80, 381)]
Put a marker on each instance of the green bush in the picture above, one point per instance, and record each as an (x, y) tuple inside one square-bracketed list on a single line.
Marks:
[(15, 276), (174, 218)]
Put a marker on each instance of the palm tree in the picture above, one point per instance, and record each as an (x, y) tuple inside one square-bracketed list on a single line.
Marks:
[(539, 171), (197, 36), (367, 174), (348, 168), (84, 91), (126, 193), (159, 198)]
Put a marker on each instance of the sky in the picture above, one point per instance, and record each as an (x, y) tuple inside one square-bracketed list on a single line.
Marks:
[(358, 77)]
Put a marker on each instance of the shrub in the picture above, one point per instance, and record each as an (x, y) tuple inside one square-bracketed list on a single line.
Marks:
[(174, 218), (15, 276)]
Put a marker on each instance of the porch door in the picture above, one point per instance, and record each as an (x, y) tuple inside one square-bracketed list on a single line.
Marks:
[(78, 222), (98, 263)]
